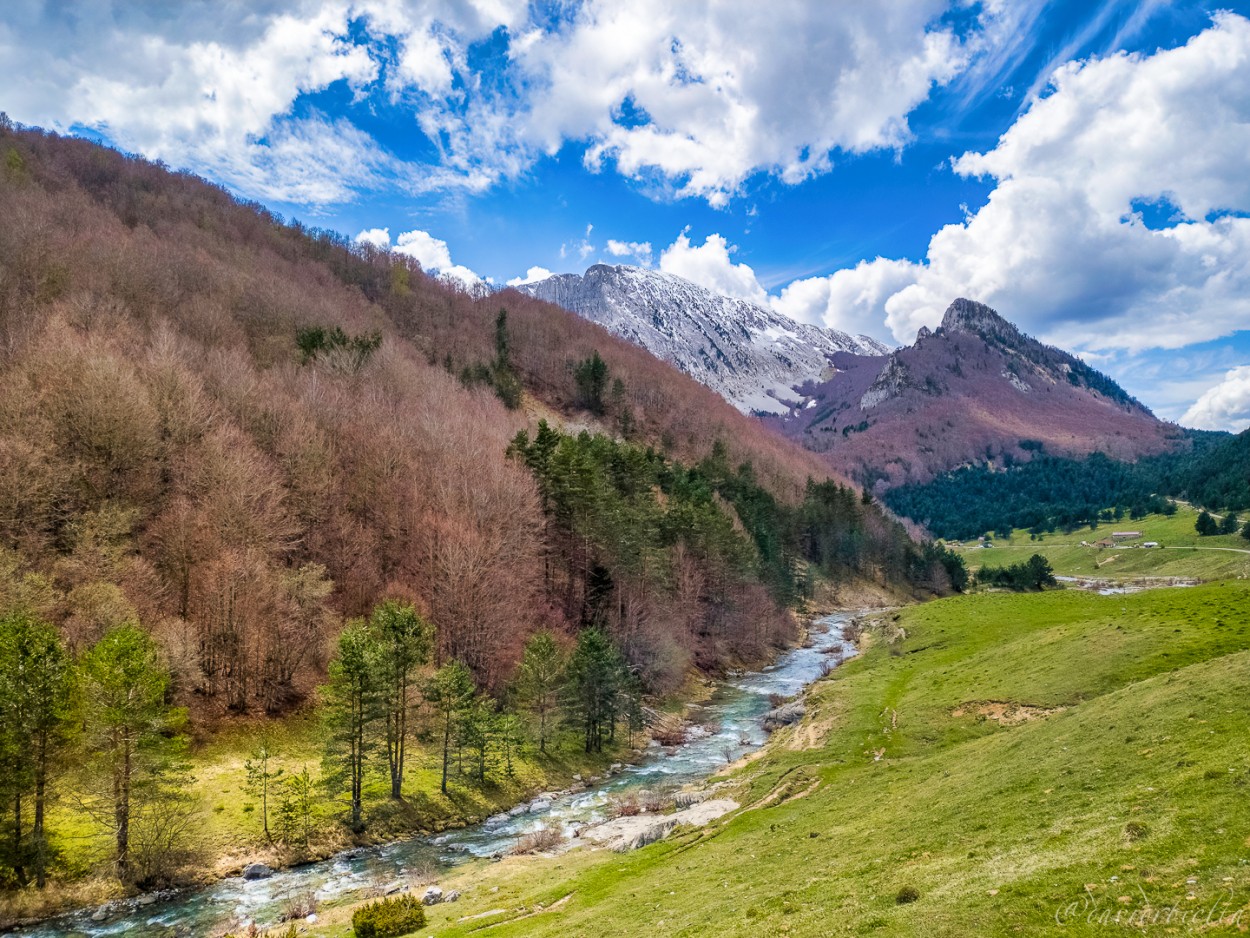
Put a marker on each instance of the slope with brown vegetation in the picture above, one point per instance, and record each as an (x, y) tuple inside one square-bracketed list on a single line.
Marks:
[(168, 455)]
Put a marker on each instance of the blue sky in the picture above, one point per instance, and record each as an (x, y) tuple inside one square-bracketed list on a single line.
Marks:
[(1081, 166)]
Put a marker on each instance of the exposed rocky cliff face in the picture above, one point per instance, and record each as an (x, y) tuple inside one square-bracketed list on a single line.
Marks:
[(751, 355)]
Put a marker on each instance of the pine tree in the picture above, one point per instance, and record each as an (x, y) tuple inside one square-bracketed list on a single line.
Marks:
[(539, 679), (449, 692), (405, 640), (1230, 523), (508, 733), (130, 729), (355, 705), (35, 681), (594, 677), (1206, 525), (591, 376)]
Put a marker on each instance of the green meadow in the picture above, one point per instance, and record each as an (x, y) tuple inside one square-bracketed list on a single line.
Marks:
[(1182, 553)]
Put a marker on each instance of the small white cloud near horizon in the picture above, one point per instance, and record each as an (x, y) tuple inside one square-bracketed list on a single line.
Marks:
[(380, 238), (639, 250), (435, 257), (1225, 406), (533, 275)]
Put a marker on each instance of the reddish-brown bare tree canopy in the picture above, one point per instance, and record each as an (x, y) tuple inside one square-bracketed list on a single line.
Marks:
[(167, 454)]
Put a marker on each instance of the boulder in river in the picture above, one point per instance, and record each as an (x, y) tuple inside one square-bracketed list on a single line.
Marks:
[(257, 871), (784, 715)]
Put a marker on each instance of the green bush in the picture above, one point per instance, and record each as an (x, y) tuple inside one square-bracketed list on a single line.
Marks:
[(388, 918), (907, 894)]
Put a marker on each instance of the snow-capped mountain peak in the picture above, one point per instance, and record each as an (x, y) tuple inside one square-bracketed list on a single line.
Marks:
[(752, 355)]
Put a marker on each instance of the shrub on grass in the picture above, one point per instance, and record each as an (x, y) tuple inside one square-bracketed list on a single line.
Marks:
[(907, 894), (1135, 830), (388, 918), (545, 838)]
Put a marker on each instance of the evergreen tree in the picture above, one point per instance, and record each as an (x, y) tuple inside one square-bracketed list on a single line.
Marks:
[(1230, 523), (508, 733), (594, 682), (129, 728), (35, 680), (504, 378), (449, 692), (591, 376), (354, 706), (1206, 525), (262, 778), (294, 811), (404, 640), (539, 678), (476, 732)]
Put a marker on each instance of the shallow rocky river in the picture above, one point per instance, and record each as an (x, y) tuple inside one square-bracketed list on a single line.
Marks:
[(734, 713)]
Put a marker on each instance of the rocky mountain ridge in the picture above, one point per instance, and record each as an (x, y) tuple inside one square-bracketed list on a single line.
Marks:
[(751, 355), (975, 389)]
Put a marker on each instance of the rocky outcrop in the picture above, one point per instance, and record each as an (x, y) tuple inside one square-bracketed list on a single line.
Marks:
[(784, 715), (630, 833)]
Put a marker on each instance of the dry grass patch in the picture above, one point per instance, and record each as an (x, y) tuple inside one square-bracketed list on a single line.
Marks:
[(1005, 712)]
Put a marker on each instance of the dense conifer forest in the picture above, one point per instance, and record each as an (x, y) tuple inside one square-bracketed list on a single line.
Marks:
[(1050, 493)]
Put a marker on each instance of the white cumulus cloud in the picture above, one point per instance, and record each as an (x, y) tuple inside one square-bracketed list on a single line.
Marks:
[(435, 257), (710, 265), (691, 98), (703, 96), (1225, 406), (1117, 221), (533, 275), (378, 237)]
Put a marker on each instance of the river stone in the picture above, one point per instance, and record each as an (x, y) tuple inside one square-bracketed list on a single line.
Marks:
[(518, 810), (257, 871), (494, 821), (432, 896), (539, 804), (100, 914), (685, 799), (784, 715)]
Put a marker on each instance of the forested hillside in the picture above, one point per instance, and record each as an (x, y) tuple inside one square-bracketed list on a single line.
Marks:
[(239, 432), (1051, 493)]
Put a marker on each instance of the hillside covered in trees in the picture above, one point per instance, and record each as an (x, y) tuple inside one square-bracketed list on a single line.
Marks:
[(1051, 493), (223, 437)]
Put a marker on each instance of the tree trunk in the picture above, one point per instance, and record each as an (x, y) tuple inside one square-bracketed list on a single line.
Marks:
[(36, 833), (446, 749), (121, 812), (19, 868)]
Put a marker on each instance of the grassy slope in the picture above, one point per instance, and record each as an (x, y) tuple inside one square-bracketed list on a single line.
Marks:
[(996, 826), (1070, 559)]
